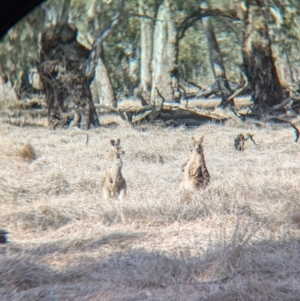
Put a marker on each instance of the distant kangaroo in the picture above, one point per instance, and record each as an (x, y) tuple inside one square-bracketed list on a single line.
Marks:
[(196, 175), (114, 185), (239, 141)]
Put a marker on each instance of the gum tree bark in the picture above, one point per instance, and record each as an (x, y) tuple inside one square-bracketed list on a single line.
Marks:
[(147, 26), (258, 61), (102, 84), (216, 61), (62, 70), (165, 56), (101, 88), (167, 33)]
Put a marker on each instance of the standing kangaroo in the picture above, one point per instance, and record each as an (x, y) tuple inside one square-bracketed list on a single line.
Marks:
[(196, 175), (114, 185)]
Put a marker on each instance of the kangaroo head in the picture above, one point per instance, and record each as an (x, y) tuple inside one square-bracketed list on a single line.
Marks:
[(242, 137), (116, 149), (198, 144)]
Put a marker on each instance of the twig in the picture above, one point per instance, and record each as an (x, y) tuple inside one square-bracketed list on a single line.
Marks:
[(237, 92), (251, 138)]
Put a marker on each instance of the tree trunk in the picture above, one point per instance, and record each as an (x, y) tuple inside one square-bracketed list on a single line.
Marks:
[(258, 60), (291, 78), (165, 57), (146, 52), (24, 88), (93, 16), (101, 88), (65, 11), (216, 61), (130, 67), (62, 66)]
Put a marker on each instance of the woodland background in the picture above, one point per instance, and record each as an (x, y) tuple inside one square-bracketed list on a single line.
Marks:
[(156, 52)]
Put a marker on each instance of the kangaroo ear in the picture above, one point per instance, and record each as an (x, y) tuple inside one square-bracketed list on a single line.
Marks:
[(112, 142), (118, 141), (201, 139)]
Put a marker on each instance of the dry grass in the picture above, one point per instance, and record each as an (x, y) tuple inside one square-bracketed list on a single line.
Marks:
[(236, 240), (27, 152)]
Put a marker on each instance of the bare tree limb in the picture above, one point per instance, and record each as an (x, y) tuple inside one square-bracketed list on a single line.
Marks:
[(285, 102), (194, 84), (200, 13), (116, 20), (142, 16), (118, 17), (237, 92)]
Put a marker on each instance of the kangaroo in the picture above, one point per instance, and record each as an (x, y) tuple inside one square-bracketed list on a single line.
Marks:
[(114, 185), (239, 141), (196, 175)]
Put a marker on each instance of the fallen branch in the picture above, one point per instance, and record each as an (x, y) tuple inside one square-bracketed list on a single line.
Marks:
[(282, 104), (141, 117), (238, 91)]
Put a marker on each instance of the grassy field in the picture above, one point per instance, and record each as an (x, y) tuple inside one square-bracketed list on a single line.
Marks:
[(236, 240)]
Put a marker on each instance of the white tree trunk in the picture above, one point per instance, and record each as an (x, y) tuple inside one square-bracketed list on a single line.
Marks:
[(101, 88), (146, 52), (165, 54), (130, 68), (102, 91)]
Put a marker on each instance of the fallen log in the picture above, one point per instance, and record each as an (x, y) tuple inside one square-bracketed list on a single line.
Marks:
[(30, 113), (191, 112)]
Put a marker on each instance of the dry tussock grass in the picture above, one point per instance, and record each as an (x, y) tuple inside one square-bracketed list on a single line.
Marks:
[(236, 240), (27, 152)]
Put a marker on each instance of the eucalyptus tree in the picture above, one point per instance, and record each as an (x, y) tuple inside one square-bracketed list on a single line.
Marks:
[(255, 24), (258, 61), (19, 51), (19, 48), (285, 38), (101, 87), (258, 53), (172, 21), (122, 36), (216, 61), (68, 67), (147, 12)]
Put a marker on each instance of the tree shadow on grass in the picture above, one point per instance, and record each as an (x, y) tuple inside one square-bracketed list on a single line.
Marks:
[(265, 270)]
